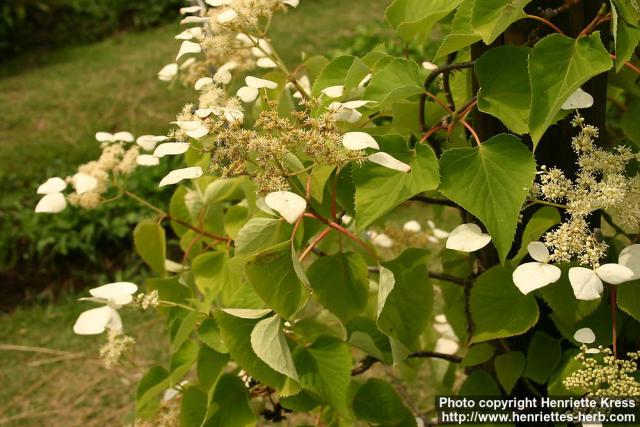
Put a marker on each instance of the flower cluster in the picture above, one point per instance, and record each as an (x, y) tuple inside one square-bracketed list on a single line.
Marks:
[(117, 345)]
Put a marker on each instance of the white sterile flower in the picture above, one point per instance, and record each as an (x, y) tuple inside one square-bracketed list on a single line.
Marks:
[(216, 3), (223, 75), (204, 112), (193, 128), (630, 258), (388, 161), (266, 63), (232, 115), (123, 136), (190, 9), (190, 33), (194, 20), (52, 185), (172, 392), (188, 47), (227, 16), (467, 238), (366, 80), (247, 94), (304, 83), (289, 205), (346, 219), (412, 226), (359, 141), (333, 91), (175, 176), (258, 83), (171, 149), (202, 83), (443, 327), (104, 137), (584, 336), (380, 239), (344, 114), (292, 3), (244, 39), (172, 266), (578, 99), (147, 160), (83, 183), (429, 66), (446, 345), (149, 142), (51, 203), (263, 49), (437, 232), (535, 275), (587, 283), (97, 320)]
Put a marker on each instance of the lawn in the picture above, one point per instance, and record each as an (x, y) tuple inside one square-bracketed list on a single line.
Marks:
[(51, 105)]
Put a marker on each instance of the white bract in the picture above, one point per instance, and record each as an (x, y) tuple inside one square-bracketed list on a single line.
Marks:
[(578, 99), (202, 83), (190, 9), (438, 233), (304, 83), (535, 275), (147, 160), (51, 203), (344, 113), (84, 183), (292, 3), (216, 3), (630, 258), (171, 149), (266, 63), (193, 128), (168, 72), (52, 185), (175, 176), (388, 161), (584, 336), (467, 238), (429, 66), (380, 239), (333, 91), (190, 33), (587, 283), (118, 136), (289, 205), (97, 320), (227, 16), (412, 226), (223, 75), (249, 93), (359, 141), (149, 142), (188, 47)]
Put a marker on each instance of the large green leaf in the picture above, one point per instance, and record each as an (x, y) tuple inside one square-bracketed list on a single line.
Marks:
[(236, 333), (509, 368), (413, 17), (150, 242), (154, 382), (324, 368), (478, 354), (558, 65), (630, 123), (479, 383), (397, 81), (340, 283), (492, 182), (543, 357), (460, 34), (626, 33), (209, 366), (261, 235), (498, 308), (376, 402), (490, 18), (230, 404), (380, 189), (274, 279), (629, 299), (505, 94), (405, 297), (333, 74), (193, 407), (270, 345)]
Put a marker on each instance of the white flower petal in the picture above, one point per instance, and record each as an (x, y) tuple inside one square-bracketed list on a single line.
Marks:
[(123, 136), (172, 266), (429, 66), (216, 3), (257, 83), (149, 142), (96, 321), (412, 226), (51, 203), (195, 20), (83, 183), (188, 47), (388, 161), (232, 115), (355, 104), (171, 149), (175, 176), (187, 125), (113, 290), (190, 33), (244, 39), (584, 336), (198, 133), (266, 63), (437, 233), (247, 313), (168, 72), (222, 76), (446, 346), (52, 185), (227, 16), (333, 91), (366, 80), (382, 240), (190, 9), (538, 251), (104, 137), (614, 273), (535, 275), (630, 257), (467, 238), (289, 205), (203, 82), (578, 99), (204, 112), (248, 94), (585, 283), (359, 141), (292, 3), (147, 160)]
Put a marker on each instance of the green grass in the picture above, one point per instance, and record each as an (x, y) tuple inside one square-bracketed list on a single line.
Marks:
[(51, 104)]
